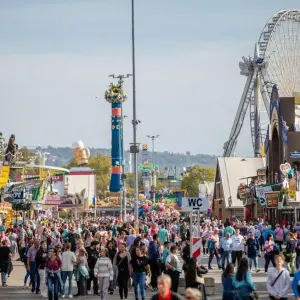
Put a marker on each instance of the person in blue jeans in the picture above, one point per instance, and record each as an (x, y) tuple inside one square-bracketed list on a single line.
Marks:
[(53, 266), (138, 268), (226, 247), (32, 267), (68, 260)]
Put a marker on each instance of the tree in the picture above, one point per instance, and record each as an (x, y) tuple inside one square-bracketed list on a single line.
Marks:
[(101, 165), (129, 183), (196, 176), (72, 163), (26, 154)]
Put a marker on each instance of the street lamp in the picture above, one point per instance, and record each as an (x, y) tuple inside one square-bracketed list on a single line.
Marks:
[(153, 138), (134, 148)]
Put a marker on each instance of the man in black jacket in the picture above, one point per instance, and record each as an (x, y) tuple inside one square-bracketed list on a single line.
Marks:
[(164, 289), (40, 260), (72, 237), (186, 255), (93, 255)]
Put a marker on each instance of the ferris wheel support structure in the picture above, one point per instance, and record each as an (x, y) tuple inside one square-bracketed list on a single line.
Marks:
[(275, 61)]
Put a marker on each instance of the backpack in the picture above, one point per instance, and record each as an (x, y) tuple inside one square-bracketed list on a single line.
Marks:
[(211, 245)]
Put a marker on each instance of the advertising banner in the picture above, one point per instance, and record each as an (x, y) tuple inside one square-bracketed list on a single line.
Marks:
[(272, 199), (260, 194)]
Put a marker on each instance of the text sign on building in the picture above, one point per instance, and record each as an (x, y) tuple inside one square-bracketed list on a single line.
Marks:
[(195, 203)]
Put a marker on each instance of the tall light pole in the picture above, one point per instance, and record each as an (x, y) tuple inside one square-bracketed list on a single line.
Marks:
[(153, 138), (134, 148), (123, 175)]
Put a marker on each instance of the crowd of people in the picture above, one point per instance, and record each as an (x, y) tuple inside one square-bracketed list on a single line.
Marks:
[(106, 255)]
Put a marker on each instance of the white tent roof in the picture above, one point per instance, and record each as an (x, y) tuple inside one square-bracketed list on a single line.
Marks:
[(232, 169)]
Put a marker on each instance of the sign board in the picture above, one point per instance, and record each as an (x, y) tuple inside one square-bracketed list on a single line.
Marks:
[(194, 203), (18, 195), (272, 199)]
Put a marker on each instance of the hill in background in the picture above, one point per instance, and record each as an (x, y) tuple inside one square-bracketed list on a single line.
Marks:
[(62, 155)]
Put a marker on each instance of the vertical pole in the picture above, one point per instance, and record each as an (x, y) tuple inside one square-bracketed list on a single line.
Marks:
[(198, 222), (257, 140), (134, 121), (191, 234), (153, 178), (95, 192)]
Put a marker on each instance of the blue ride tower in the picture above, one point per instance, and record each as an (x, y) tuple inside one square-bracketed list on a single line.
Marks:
[(116, 97)]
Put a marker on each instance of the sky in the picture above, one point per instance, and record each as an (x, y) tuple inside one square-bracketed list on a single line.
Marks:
[(56, 56)]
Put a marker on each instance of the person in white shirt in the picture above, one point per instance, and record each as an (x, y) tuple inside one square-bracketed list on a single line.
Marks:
[(68, 260), (278, 282), (238, 247)]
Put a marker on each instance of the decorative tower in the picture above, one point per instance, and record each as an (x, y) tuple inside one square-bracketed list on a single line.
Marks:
[(116, 97)]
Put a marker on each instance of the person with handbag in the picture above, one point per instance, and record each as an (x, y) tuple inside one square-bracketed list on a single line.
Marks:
[(173, 268), (290, 253), (121, 264), (278, 282)]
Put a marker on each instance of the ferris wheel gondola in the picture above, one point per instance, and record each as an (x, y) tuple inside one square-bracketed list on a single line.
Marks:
[(276, 61)]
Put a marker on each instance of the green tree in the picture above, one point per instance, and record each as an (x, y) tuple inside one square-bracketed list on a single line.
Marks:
[(129, 183), (101, 165), (26, 154), (72, 163), (196, 176)]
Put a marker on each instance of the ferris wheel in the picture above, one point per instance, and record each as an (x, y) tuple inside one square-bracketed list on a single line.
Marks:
[(276, 60)]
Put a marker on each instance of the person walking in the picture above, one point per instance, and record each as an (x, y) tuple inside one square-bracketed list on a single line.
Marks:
[(242, 280), (5, 257), (290, 253), (227, 282), (226, 246), (278, 282), (53, 266), (164, 289), (173, 268), (252, 244), (31, 265), (68, 260), (213, 248), (93, 255), (121, 265), (238, 247), (138, 268), (104, 272), (279, 236), (82, 273), (269, 252), (40, 260), (154, 260)]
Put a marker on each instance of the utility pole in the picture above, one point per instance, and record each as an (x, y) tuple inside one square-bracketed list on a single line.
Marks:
[(153, 138), (134, 148), (123, 175)]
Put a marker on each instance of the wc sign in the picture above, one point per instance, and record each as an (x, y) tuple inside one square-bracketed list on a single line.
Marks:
[(195, 203)]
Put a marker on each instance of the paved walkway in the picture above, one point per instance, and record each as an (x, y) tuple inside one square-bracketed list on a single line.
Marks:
[(15, 289)]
